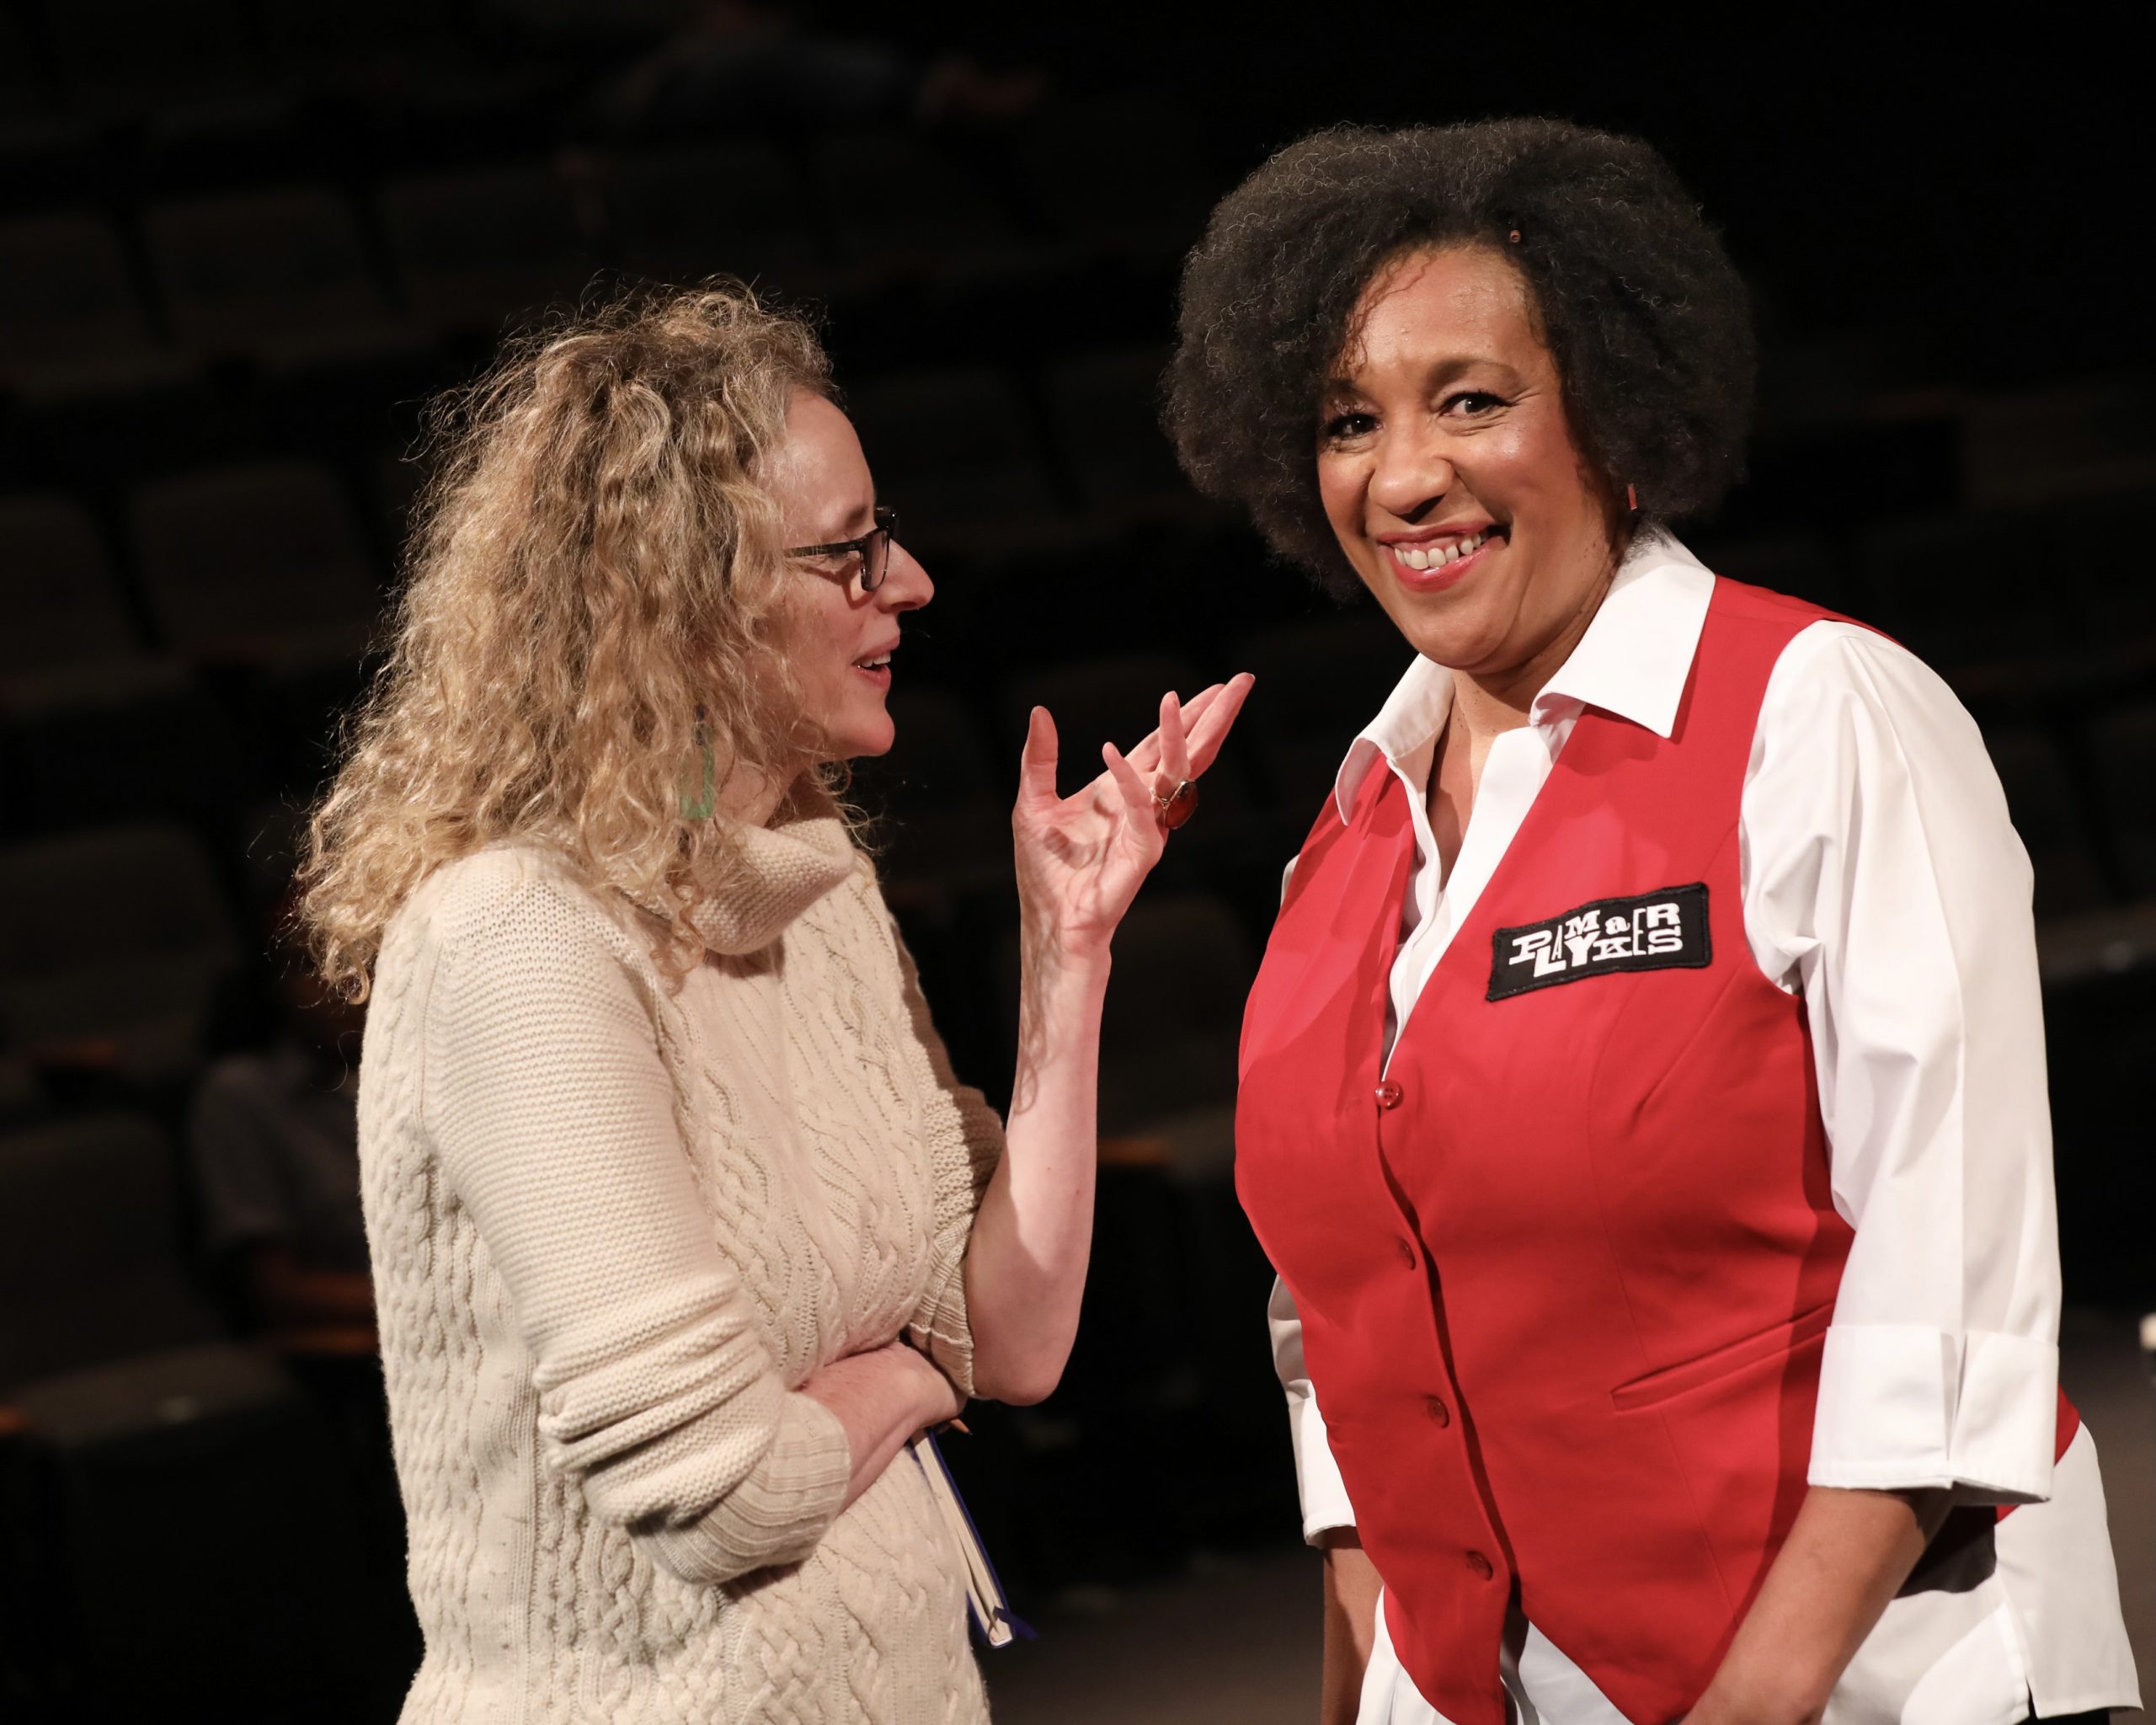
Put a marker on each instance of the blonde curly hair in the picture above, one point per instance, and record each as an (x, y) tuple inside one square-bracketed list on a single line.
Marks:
[(591, 633)]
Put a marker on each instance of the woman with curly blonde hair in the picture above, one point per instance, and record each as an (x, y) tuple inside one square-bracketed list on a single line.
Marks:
[(681, 1227)]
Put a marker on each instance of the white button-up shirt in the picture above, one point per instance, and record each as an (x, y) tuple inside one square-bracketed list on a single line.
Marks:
[(1884, 884)]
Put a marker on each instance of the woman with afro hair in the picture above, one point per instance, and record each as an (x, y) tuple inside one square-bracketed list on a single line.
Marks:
[(1643, 1095)]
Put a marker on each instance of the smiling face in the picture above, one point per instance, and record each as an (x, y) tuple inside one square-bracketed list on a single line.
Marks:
[(840, 640), (1449, 474)]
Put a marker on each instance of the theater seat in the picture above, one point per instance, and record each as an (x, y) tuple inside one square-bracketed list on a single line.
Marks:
[(65, 615), (1127, 176), (956, 451), (944, 800), (1799, 564), (256, 564), (115, 944), (388, 37), (1942, 589), (2048, 816), (899, 205), (2124, 746), (742, 210), (277, 276), (90, 1250), (90, 720), (124, 59), (2102, 555), (1319, 682), (151, 743), (1107, 413), (1184, 965), (138, 1431), (476, 249), (69, 317)]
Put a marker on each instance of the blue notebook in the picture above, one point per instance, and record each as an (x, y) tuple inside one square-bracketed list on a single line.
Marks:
[(985, 1601)]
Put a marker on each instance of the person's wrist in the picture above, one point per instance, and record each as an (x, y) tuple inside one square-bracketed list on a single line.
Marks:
[(936, 1398), (1740, 1697), (1054, 956)]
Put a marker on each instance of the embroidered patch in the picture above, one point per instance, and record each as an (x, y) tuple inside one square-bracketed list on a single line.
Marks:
[(1656, 931)]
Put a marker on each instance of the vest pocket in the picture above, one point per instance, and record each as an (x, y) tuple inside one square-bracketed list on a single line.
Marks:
[(1774, 1343), (1736, 1421)]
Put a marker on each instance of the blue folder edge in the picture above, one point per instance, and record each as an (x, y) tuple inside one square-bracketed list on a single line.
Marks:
[(1018, 1626)]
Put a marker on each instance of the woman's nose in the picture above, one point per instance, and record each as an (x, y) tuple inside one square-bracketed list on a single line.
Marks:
[(1411, 474), (906, 585)]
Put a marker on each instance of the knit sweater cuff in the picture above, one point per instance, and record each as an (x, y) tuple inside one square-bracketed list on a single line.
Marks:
[(778, 1513), (941, 1327)]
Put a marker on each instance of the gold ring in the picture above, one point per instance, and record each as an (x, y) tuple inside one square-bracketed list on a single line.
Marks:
[(1177, 806)]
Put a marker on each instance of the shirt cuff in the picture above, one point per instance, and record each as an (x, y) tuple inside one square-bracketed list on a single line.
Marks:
[(1324, 1494), (1907, 1408)]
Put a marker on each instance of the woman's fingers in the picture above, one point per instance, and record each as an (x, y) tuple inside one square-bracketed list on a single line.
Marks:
[(1175, 757), (1146, 756), (1037, 760), (1137, 799), (1187, 742), (1211, 727)]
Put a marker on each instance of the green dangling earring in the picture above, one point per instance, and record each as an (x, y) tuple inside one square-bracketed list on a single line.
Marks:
[(701, 806)]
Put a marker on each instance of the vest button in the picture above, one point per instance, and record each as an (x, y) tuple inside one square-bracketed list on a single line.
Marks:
[(1479, 1566), (1406, 1252), (1438, 1411), (1388, 1095)]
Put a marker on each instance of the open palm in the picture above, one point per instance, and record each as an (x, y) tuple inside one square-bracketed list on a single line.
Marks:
[(1082, 858)]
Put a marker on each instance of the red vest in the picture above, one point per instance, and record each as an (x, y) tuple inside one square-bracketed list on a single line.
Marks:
[(1565, 1269)]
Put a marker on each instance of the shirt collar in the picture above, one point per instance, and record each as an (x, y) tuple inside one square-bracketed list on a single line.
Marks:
[(1633, 661)]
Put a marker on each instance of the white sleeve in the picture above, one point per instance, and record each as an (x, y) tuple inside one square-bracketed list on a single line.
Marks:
[(1884, 880), (1317, 1475), (1318, 1483)]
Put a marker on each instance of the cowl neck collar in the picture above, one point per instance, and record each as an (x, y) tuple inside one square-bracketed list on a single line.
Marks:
[(780, 870)]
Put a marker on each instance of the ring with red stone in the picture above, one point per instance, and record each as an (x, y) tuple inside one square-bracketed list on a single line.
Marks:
[(1177, 806)]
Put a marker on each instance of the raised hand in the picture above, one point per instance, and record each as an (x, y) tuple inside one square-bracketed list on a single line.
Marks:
[(1082, 858), (1081, 861)]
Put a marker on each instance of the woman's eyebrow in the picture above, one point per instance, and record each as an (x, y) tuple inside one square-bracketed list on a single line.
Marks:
[(1457, 367), (856, 522), (1440, 373)]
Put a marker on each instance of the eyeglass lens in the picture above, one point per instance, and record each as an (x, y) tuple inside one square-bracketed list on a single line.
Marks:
[(875, 554)]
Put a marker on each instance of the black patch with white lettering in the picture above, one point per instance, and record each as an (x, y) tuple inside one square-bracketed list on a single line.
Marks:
[(1658, 930)]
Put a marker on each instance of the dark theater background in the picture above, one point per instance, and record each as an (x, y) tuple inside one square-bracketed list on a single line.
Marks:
[(241, 241)]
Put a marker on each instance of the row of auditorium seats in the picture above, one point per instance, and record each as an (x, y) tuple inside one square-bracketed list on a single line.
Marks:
[(120, 56), (294, 274), (136, 995), (1025, 482), (122, 684), (968, 450), (141, 736), (140, 1444), (249, 237), (240, 239), (116, 61), (2079, 793), (115, 1357)]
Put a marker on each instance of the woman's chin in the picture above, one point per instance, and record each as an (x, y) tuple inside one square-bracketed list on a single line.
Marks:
[(864, 742), (1455, 647)]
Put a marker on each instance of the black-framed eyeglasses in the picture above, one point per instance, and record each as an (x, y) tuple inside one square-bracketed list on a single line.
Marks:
[(873, 548)]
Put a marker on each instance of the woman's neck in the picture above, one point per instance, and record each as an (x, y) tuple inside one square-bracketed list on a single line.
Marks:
[(1487, 703), (754, 798)]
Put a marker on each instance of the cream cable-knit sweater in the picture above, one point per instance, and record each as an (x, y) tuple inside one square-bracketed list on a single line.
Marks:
[(612, 1229)]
